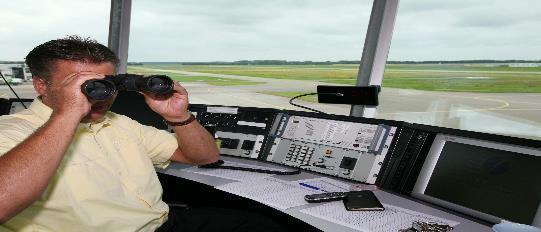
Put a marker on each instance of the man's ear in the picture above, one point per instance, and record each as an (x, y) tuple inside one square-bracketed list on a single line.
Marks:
[(40, 85)]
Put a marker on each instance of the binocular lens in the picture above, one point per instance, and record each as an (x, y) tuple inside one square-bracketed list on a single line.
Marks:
[(102, 89), (159, 84), (99, 89)]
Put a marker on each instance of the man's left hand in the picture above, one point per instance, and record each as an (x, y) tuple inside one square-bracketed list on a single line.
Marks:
[(173, 107)]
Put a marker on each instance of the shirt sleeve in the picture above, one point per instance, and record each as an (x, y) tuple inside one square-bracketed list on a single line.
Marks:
[(12, 132), (160, 145), (6, 144)]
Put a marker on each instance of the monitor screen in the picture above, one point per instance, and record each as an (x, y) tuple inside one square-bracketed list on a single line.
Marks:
[(492, 181)]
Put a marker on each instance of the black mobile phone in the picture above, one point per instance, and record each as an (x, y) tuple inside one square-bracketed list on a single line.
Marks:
[(362, 201)]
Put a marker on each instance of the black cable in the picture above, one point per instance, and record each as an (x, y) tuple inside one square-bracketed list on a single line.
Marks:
[(12, 90), (218, 165), (304, 107), (308, 94)]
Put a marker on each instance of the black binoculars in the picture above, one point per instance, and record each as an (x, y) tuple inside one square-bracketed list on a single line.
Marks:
[(103, 89)]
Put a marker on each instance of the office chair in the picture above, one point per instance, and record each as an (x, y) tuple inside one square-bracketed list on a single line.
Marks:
[(5, 106), (133, 105)]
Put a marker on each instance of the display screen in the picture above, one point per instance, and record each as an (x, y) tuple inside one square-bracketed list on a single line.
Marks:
[(502, 183)]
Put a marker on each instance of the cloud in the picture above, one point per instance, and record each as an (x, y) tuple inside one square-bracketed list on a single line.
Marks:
[(453, 30), (235, 30), (229, 30), (26, 24)]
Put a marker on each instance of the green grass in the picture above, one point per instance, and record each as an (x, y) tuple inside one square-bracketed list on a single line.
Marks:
[(297, 72), (185, 78), (431, 77), (489, 80)]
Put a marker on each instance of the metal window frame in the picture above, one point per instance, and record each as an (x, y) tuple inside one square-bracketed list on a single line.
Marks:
[(373, 59), (375, 50), (119, 31)]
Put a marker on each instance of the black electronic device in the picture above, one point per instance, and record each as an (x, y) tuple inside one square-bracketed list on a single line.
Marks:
[(102, 89), (325, 197), (486, 179), (346, 147), (5, 106), (13, 105), (219, 165), (362, 201), (402, 166), (352, 95), (241, 131), (481, 175)]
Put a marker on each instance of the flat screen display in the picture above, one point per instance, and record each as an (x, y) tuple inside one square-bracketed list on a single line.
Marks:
[(494, 179)]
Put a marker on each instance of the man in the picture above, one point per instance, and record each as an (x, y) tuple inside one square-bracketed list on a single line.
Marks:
[(68, 164)]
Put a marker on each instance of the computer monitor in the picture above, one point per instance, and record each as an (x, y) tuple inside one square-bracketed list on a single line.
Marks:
[(488, 180)]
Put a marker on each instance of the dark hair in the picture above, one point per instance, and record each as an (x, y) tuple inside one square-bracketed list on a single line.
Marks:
[(42, 58)]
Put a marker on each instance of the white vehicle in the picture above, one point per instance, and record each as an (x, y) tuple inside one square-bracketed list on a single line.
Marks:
[(12, 81)]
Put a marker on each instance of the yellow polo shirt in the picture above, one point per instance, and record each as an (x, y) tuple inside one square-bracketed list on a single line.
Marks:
[(106, 180)]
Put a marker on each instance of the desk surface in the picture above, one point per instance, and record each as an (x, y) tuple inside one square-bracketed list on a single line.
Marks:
[(175, 169)]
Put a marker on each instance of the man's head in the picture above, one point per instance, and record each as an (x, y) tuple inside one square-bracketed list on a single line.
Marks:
[(52, 62), (41, 60)]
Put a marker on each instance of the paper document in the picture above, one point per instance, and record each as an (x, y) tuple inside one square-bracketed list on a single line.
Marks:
[(283, 194), (391, 219), (270, 191), (235, 174), (324, 184)]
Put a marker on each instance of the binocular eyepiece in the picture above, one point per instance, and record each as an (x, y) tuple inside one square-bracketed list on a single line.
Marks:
[(103, 89)]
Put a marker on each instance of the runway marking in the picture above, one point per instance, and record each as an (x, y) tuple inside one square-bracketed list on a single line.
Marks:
[(504, 104), (519, 110), (521, 102), (502, 107)]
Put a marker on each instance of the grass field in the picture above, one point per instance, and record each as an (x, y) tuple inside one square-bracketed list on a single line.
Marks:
[(432, 77), (186, 78)]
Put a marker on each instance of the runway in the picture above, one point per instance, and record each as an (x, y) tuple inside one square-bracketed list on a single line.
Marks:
[(515, 114)]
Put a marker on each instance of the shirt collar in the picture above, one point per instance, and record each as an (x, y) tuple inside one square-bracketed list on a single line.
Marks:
[(44, 112), (41, 110)]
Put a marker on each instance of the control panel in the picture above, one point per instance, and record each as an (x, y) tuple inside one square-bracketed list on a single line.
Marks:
[(411, 159), (402, 166), (240, 132), (347, 149)]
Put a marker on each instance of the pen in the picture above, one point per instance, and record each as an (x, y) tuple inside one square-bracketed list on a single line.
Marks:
[(310, 186)]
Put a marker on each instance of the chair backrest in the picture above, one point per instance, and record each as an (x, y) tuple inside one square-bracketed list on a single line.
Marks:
[(133, 105), (5, 106)]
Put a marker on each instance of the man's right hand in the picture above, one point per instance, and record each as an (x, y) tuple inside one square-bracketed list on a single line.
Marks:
[(66, 98)]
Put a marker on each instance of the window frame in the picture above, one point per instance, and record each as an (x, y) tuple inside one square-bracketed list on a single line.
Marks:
[(373, 58)]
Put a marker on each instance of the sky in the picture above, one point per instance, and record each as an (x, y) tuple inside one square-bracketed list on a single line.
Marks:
[(295, 30)]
